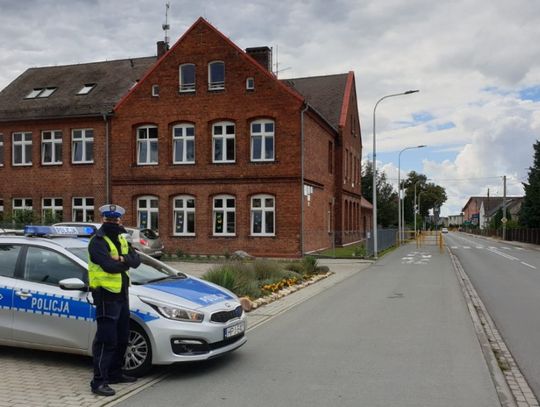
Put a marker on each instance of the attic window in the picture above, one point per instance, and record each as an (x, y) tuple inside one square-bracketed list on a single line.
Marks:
[(250, 83), (85, 90), (155, 90), (40, 93)]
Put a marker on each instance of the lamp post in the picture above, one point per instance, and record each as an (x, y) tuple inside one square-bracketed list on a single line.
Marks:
[(408, 92), (415, 207), (401, 211)]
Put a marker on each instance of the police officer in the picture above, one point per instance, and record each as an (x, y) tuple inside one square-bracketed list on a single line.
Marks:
[(109, 259)]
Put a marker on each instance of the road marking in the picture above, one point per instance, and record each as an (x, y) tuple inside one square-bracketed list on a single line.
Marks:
[(528, 265), (454, 247), (466, 247), (507, 256), (479, 247), (506, 248)]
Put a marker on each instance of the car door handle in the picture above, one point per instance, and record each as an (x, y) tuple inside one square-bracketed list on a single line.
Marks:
[(23, 294)]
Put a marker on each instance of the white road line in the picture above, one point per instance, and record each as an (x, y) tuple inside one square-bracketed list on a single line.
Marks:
[(528, 265), (479, 247), (466, 247), (453, 247), (506, 248), (507, 256)]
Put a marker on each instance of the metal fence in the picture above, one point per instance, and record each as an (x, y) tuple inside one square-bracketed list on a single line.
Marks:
[(385, 238), (517, 235)]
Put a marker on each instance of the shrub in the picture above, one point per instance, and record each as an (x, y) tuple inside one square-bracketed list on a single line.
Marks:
[(310, 265), (179, 253), (236, 277), (297, 267), (267, 270), (360, 251)]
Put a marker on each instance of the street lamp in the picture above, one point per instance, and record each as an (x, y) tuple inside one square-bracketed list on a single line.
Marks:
[(401, 211), (415, 207), (375, 168)]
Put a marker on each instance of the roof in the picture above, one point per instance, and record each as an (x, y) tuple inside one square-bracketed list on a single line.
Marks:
[(324, 93), (113, 79), (364, 203)]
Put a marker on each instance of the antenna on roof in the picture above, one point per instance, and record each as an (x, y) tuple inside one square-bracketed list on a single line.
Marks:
[(166, 26), (277, 71)]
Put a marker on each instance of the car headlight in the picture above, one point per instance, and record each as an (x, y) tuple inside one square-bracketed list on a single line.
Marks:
[(174, 312)]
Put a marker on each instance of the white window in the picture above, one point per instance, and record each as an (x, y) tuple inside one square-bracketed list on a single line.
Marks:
[(262, 140), (263, 215), (183, 144), (21, 207), (22, 148), (52, 210), (1, 209), (147, 145), (83, 210), (1, 150), (224, 215), (40, 93), (155, 90), (223, 136), (216, 75), (148, 212), (51, 147), (86, 89), (82, 146), (187, 78), (184, 216), (250, 83)]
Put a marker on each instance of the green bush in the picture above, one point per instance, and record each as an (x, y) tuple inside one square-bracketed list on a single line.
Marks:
[(360, 251), (267, 270), (310, 265), (297, 267), (236, 277)]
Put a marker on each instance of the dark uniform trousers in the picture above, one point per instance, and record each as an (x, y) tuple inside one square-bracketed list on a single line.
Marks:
[(111, 340)]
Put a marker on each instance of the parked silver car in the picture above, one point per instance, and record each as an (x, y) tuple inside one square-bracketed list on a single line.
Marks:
[(144, 240), (45, 304)]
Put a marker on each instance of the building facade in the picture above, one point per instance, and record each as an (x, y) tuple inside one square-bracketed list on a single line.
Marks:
[(202, 144)]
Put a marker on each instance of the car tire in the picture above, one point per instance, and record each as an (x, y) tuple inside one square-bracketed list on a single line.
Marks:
[(138, 357)]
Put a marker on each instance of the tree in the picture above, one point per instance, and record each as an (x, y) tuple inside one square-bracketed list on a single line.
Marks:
[(530, 209), (386, 196), (433, 195)]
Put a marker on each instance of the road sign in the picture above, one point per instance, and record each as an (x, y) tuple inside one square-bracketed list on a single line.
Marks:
[(504, 220)]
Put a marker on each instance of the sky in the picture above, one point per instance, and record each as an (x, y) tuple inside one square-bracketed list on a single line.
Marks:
[(475, 62)]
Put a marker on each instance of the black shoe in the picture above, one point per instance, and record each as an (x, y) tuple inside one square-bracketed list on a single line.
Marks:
[(103, 390), (124, 378)]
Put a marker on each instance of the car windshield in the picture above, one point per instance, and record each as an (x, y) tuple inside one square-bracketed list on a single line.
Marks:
[(149, 271)]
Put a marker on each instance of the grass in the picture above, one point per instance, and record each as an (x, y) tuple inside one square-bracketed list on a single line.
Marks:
[(353, 251)]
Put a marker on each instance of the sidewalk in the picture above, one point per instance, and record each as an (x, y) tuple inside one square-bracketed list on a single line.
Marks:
[(419, 339)]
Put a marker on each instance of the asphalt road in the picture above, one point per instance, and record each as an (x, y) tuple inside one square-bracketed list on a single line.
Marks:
[(396, 334), (507, 279)]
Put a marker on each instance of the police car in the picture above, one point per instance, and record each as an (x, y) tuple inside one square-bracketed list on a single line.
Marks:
[(45, 303)]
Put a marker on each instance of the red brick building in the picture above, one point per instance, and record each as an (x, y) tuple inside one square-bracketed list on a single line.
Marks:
[(203, 144)]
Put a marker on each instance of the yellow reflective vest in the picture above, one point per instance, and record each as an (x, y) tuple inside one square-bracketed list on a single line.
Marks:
[(97, 277)]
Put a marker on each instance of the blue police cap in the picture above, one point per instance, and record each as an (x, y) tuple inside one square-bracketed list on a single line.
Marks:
[(112, 211)]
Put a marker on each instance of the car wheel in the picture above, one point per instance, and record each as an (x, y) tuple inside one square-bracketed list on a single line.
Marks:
[(138, 357)]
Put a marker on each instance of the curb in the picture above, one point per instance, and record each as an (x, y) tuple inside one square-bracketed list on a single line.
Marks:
[(510, 384)]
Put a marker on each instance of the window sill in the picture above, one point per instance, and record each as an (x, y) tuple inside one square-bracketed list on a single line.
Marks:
[(262, 161), (51, 164), (82, 162), (22, 165)]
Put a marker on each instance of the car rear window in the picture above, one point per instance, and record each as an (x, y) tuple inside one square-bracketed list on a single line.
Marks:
[(8, 259), (149, 234)]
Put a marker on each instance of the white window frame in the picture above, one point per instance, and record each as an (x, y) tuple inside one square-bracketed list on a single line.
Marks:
[(86, 89), (54, 140), (57, 205), (26, 205), (2, 158), (26, 141), (226, 212), (147, 209), (250, 83), (213, 84), (145, 139), (86, 206), (184, 210), (183, 86), (184, 139), (263, 135), (40, 93), (264, 211), (86, 141), (155, 90), (223, 139), (1, 209)]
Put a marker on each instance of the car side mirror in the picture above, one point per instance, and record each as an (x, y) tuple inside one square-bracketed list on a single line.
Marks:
[(73, 284)]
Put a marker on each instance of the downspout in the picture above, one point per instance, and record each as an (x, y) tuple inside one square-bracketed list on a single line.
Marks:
[(107, 160), (302, 179)]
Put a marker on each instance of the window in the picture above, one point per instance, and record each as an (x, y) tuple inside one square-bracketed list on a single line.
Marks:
[(86, 89), (22, 148), (184, 216), (147, 145), (263, 215), (47, 266), (223, 135), (216, 75), (262, 140), (22, 208), (51, 147), (155, 90), (10, 254), (187, 78), (40, 93), (224, 213), (82, 146), (1, 209), (184, 144), (250, 83), (148, 212), (83, 210), (330, 157), (1, 150), (52, 210)]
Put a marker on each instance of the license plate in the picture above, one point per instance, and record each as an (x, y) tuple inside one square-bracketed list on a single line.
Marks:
[(234, 330)]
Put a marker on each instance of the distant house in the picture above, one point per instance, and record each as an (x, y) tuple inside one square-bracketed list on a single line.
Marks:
[(479, 210), (455, 220), (201, 143)]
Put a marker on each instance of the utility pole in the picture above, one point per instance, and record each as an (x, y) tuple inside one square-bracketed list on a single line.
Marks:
[(504, 220)]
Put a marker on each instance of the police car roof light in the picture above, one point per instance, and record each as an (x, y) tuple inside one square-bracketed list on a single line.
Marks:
[(59, 231)]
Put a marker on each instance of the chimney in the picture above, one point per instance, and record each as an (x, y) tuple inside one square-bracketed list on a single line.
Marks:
[(162, 48), (263, 55)]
